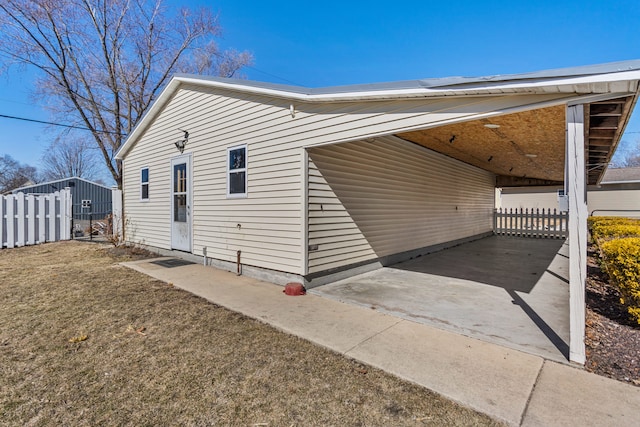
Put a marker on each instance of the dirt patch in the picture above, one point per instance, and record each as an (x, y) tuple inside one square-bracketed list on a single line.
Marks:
[(612, 338), (84, 341), (128, 253)]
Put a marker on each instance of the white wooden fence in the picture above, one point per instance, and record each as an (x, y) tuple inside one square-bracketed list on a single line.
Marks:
[(530, 223), (31, 219)]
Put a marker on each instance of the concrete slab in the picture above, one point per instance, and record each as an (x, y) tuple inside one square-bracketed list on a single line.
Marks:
[(489, 378), (566, 396), (509, 291)]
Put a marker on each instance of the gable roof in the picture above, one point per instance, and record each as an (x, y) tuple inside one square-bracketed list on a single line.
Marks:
[(589, 84), (55, 181), (424, 87)]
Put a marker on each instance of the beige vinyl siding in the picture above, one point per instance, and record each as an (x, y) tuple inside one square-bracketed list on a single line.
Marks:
[(267, 124), (609, 199), (147, 222), (398, 197), (271, 218), (529, 198), (339, 239), (265, 226)]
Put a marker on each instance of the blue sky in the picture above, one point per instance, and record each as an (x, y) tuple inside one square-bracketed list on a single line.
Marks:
[(331, 42)]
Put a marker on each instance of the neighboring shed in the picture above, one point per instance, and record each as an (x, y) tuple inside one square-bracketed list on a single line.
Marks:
[(617, 195), (87, 196), (317, 184)]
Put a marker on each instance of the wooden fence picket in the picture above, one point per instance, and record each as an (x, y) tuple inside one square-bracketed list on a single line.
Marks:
[(530, 223)]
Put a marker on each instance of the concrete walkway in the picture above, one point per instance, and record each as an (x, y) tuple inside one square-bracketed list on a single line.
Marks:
[(509, 385)]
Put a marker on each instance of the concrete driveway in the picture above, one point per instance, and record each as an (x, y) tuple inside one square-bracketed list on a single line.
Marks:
[(505, 290)]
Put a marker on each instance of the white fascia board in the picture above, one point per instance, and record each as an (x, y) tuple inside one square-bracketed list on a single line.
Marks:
[(619, 182), (491, 88)]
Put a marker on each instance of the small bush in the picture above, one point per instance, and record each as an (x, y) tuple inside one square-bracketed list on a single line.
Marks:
[(622, 260), (606, 227)]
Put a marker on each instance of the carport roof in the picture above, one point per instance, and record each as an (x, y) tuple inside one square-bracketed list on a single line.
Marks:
[(436, 84), (608, 91)]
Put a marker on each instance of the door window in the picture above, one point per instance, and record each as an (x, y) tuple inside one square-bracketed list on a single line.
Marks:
[(180, 192)]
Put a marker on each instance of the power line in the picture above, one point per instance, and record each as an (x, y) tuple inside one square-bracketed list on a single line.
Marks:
[(106, 131), (273, 75), (58, 124)]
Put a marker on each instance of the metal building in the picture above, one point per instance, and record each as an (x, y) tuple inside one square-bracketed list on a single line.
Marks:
[(91, 201)]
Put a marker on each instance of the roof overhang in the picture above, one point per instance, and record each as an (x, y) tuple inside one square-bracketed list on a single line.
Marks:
[(609, 92), (527, 148)]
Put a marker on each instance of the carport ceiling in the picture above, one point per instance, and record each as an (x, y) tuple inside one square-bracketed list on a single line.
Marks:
[(527, 148), (508, 150)]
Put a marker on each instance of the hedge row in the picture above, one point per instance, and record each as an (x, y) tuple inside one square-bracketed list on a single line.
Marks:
[(606, 227), (619, 243)]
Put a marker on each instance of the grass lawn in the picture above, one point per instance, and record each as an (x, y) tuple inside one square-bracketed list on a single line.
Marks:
[(84, 341)]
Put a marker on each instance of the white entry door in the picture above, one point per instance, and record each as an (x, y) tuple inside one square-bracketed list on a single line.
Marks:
[(181, 203)]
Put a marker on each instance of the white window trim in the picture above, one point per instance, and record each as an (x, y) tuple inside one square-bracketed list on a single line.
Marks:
[(142, 184), (245, 170)]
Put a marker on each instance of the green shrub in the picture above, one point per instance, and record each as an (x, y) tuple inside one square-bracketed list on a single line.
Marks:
[(622, 260)]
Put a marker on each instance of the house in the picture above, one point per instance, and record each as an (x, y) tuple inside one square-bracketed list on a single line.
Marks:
[(293, 183), (618, 194), (90, 200)]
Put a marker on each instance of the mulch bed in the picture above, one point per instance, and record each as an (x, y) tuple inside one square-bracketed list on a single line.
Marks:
[(612, 338)]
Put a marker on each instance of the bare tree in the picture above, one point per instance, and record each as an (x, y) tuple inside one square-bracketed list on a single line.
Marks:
[(103, 62), (627, 154), (13, 174), (65, 158)]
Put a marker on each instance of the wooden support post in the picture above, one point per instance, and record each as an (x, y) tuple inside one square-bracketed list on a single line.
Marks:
[(117, 226), (65, 214), (577, 227)]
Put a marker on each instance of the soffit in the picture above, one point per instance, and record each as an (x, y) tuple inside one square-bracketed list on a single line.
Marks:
[(605, 122), (528, 147), (508, 150)]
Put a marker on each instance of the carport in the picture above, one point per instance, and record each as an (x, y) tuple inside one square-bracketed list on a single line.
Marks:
[(511, 291), (343, 180), (556, 127)]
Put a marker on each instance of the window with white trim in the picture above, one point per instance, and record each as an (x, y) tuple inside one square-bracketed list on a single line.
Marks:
[(237, 171), (144, 184)]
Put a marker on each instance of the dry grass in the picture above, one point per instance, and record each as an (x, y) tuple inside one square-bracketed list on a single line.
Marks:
[(84, 341)]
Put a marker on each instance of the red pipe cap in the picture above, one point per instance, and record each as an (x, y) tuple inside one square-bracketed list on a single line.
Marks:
[(294, 289)]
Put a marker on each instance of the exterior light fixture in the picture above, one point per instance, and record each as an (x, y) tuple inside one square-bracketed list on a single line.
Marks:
[(491, 126), (183, 142), (292, 110)]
